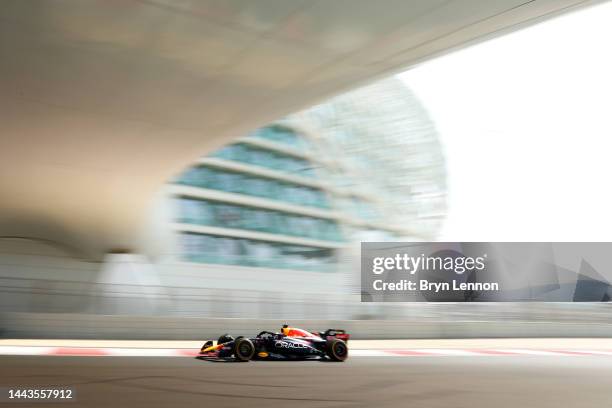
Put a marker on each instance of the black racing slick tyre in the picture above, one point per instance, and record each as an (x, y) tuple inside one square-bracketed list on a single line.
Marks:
[(243, 349), (336, 350)]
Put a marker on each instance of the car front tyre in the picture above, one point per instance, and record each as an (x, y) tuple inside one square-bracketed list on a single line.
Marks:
[(243, 349)]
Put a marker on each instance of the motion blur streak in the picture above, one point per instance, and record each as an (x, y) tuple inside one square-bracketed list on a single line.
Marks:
[(103, 101), (506, 382)]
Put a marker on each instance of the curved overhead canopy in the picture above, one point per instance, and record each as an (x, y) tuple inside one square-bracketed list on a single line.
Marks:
[(101, 101)]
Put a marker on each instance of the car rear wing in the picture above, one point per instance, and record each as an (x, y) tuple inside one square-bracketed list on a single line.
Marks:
[(335, 334)]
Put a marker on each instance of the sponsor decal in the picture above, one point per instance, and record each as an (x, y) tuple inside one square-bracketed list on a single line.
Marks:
[(287, 344)]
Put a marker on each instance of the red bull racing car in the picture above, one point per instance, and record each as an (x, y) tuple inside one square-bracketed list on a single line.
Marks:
[(290, 344)]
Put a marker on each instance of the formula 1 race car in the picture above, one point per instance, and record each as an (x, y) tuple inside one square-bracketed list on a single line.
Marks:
[(290, 344)]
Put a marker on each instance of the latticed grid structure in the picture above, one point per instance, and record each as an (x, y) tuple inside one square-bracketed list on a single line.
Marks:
[(302, 192)]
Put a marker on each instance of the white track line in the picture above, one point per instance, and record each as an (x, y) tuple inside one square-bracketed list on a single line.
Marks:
[(25, 350), (533, 352), (143, 352), (591, 352), (185, 352), (367, 353), (446, 352)]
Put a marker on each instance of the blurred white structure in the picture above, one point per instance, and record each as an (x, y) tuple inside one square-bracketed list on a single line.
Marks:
[(102, 101), (296, 198), (270, 225), (385, 148)]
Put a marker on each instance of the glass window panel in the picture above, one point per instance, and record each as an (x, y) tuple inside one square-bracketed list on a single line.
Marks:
[(222, 250), (228, 216)]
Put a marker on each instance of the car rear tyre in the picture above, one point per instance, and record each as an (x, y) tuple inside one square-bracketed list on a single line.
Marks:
[(336, 350), (243, 349)]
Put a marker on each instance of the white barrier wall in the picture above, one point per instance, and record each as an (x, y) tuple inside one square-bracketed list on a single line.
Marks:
[(38, 278), (46, 293), (50, 325)]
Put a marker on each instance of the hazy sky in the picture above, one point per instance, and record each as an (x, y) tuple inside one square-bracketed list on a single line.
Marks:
[(526, 123)]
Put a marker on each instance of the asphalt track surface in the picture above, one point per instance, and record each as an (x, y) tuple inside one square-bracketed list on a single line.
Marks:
[(512, 381)]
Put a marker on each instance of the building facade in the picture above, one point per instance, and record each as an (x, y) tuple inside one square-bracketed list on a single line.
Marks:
[(300, 194), (265, 228)]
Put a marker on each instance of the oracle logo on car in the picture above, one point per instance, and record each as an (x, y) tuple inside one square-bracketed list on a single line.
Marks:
[(286, 344)]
